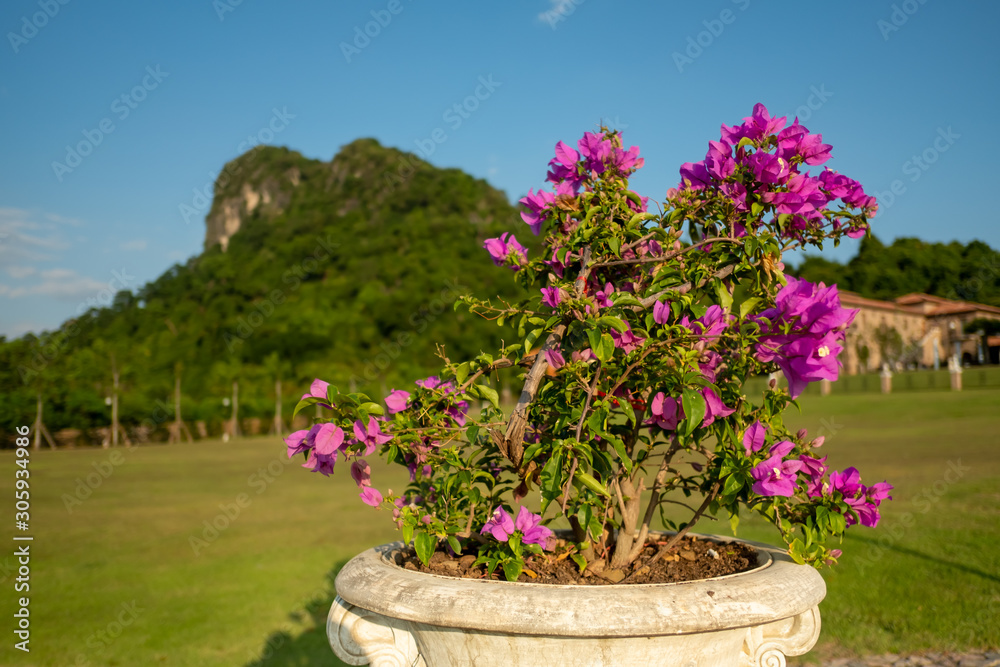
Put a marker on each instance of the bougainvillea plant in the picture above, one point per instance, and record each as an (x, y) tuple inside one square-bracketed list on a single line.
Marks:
[(634, 354)]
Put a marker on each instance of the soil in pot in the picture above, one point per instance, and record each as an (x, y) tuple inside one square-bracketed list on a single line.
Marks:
[(691, 559)]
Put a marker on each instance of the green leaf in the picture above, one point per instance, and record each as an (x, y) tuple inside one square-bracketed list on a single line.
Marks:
[(615, 244), (455, 545), (622, 454), (590, 214), (725, 298), (607, 321), (407, 532), (756, 208), (747, 306), (734, 521), (425, 544), (580, 561), (732, 486), (532, 336), (512, 569), (462, 372), (592, 484), (490, 394), (373, 408), (594, 336), (607, 349), (694, 410), (551, 478)]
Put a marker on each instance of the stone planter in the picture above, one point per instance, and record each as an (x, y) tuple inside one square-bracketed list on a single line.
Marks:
[(386, 616)]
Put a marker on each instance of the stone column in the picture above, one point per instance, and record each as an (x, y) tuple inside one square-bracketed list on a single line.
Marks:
[(886, 376)]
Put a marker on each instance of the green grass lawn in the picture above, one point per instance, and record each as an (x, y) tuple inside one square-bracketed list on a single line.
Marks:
[(116, 581)]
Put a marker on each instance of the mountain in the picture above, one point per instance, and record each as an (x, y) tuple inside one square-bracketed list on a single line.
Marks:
[(346, 270)]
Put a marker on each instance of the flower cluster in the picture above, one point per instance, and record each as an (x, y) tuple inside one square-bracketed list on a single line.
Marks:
[(633, 347), (803, 333), (759, 163)]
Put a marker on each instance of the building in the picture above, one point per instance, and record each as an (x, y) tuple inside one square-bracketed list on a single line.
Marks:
[(916, 331)]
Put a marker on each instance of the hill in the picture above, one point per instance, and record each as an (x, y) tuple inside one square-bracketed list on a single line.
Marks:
[(345, 269)]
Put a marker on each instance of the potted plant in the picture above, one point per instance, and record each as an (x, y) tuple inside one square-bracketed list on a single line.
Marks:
[(634, 353)]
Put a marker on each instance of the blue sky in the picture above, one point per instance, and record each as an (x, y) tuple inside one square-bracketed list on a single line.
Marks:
[(161, 96)]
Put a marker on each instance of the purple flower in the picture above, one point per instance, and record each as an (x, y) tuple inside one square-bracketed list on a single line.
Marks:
[(370, 496), (555, 359), (501, 526), (815, 323), (371, 436), (536, 204), (432, 382), (816, 469), (327, 441), (775, 477), (318, 389), (361, 472), (532, 531), (458, 411), (397, 400), (847, 483), (505, 250), (551, 296), (661, 312), (298, 442), (666, 411), (627, 161), (753, 438), (714, 407), (694, 175), (563, 167), (595, 149), (627, 341), (795, 141)]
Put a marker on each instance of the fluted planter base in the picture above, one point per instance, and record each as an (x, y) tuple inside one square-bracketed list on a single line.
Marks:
[(386, 616)]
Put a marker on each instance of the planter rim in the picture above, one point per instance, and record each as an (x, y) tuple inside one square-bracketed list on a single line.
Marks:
[(777, 588)]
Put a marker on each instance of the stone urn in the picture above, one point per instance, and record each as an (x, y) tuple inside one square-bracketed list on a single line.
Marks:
[(385, 616)]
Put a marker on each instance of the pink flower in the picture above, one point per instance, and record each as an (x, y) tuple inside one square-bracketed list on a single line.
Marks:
[(371, 435), (505, 250), (551, 296), (753, 438), (397, 400), (370, 496)]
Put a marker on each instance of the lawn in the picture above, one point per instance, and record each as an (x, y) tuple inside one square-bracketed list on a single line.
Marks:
[(131, 574)]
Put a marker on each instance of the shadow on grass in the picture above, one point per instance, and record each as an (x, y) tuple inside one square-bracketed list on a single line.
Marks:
[(934, 559), (309, 647)]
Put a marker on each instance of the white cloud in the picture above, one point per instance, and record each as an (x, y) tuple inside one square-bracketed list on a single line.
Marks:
[(16, 271), (24, 238), (63, 284), (136, 244)]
